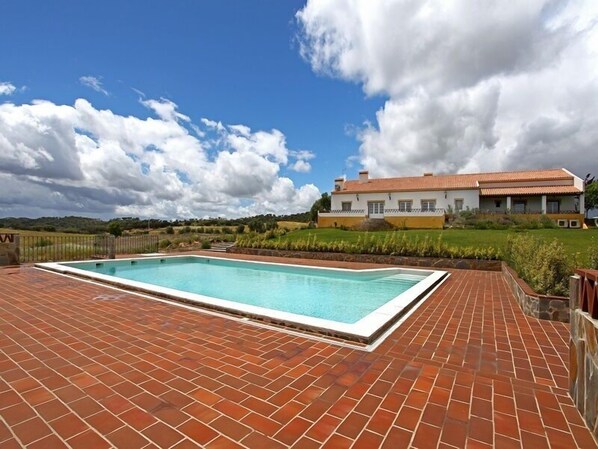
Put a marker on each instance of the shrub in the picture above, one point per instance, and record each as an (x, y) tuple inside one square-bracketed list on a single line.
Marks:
[(165, 243), (543, 265), (170, 230), (241, 229), (370, 244), (593, 256), (205, 244), (115, 228)]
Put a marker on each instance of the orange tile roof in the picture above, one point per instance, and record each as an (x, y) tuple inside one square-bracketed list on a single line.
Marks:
[(451, 182), (541, 190)]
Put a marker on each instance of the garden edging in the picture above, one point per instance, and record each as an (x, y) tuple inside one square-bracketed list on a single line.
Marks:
[(430, 262), (553, 308)]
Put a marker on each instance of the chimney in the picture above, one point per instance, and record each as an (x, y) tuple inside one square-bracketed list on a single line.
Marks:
[(428, 174), (339, 184), (363, 177)]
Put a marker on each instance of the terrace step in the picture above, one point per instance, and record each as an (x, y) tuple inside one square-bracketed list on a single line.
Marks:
[(220, 247), (374, 224)]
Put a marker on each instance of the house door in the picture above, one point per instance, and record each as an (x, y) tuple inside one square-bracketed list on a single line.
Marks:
[(376, 209)]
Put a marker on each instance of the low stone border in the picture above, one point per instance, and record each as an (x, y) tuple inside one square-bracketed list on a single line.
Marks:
[(553, 308), (428, 262)]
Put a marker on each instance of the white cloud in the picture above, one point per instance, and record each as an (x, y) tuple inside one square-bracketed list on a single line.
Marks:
[(301, 166), (81, 159), (471, 86), (93, 82), (7, 88), (165, 109)]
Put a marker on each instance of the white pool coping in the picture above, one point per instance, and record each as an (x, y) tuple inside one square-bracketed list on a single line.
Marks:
[(365, 330)]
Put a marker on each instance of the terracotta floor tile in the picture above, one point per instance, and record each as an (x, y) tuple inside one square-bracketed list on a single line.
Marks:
[(49, 442), (293, 430), (426, 436), (367, 440), (256, 440), (17, 413), (68, 425), (162, 435), (197, 431), (262, 424), (127, 437), (88, 439), (31, 430), (230, 428), (467, 370)]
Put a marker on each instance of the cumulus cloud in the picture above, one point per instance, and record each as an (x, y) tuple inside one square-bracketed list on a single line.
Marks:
[(79, 159), (165, 109), (7, 88), (93, 82), (470, 86)]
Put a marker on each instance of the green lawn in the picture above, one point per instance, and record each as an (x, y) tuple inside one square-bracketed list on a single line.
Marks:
[(574, 240)]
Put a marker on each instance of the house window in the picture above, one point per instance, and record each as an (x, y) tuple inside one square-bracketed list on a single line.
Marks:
[(519, 206), (405, 205), (376, 209), (346, 206), (497, 204), (428, 205), (552, 206), (458, 205)]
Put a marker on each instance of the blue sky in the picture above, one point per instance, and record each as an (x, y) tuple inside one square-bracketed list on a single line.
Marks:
[(320, 89)]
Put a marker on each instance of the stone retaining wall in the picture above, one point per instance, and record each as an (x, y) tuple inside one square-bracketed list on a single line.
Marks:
[(583, 352), (9, 249), (554, 308), (428, 262)]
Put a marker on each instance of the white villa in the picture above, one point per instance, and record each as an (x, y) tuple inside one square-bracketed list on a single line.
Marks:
[(423, 201)]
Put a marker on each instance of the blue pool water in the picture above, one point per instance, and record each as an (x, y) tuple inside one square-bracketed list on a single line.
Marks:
[(340, 296)]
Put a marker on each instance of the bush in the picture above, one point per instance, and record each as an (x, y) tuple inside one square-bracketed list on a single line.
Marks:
[(170, 230), (205, 244), (185, 230), (543, 265), (115, 228), (241, 229), (593, 256), (165, 243), (370, 244)]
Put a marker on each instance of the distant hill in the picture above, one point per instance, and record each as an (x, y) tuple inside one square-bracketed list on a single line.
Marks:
[(84, 225)]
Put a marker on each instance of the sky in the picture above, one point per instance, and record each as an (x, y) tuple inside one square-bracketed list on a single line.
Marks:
[(234, 108)]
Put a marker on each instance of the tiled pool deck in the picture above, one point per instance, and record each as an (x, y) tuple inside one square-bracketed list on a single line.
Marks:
[(86, 366)]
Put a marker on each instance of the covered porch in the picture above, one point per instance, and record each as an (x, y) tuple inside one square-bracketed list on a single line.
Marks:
[(545, 200)]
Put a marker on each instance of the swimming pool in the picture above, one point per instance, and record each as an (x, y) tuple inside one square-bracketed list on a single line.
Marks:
[(354, 304)]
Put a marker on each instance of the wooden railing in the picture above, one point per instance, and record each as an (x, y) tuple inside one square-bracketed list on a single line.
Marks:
[(51, 248), (588, 291)]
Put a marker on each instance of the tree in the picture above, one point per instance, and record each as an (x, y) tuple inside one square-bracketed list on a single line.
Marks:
[(115, 228), (320, 205), (257, 225), (591, 196)]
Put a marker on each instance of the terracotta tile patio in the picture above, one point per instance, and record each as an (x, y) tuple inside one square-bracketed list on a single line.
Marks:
[(86, 366)]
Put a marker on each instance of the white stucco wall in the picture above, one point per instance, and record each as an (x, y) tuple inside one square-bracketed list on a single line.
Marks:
[(470, 199)]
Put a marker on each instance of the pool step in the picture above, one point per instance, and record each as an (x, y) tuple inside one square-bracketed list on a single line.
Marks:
[(220, 247)]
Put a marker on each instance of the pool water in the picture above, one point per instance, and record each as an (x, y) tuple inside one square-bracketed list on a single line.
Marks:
[(344, 296)]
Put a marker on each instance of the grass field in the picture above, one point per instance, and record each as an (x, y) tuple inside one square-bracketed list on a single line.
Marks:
[(37, 233), (574, 240)]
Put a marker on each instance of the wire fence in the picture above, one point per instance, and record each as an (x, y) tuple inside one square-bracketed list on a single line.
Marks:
[(137, 244), (51, 248)]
